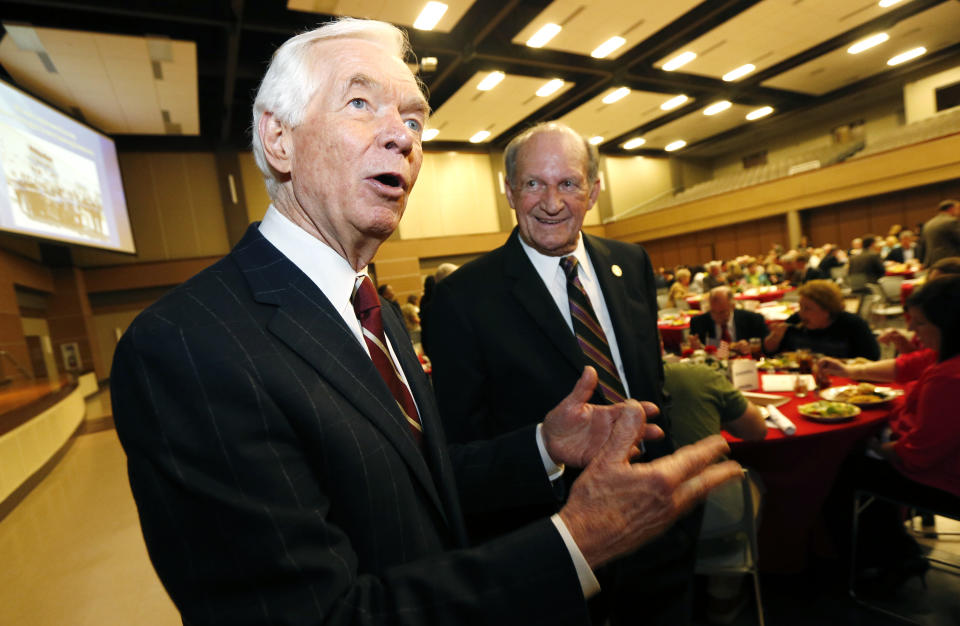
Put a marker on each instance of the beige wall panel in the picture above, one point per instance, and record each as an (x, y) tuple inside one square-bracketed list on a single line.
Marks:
[(175, 204), (453, 196), (253, 188), (919, 97), (105, 336), (633, 181), (205, 203)]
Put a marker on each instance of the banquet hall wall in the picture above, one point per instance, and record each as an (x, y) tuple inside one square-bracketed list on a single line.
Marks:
[(185, 216)]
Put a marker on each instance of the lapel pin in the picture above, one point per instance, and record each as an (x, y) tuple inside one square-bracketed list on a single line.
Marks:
[(616, 270)]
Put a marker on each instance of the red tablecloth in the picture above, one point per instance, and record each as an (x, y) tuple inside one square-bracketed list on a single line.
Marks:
[(694, 302), (672, 334), (904, 273), (766, 296), (906, 288), (798, 472)]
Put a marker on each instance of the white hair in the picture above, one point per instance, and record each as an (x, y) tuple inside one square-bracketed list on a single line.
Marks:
[(289, 84)]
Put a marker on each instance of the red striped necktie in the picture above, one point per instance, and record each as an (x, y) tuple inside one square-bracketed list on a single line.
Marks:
[(366, 304), (590, 334)]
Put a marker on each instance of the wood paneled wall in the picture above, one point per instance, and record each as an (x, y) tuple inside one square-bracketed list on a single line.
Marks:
[(875, 215), (725, 242)]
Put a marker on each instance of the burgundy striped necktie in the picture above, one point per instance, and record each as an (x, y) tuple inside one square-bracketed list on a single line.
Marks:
[(590, 335), (366, 304)]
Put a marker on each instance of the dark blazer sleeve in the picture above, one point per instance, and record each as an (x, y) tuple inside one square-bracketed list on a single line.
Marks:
[(266, 496), (702, 326)]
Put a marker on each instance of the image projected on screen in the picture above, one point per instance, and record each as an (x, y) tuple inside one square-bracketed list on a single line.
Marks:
[(61, 179)]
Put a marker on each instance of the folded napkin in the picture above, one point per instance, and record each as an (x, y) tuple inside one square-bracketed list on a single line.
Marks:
[(780, 421), (762, 399), (785, 382)]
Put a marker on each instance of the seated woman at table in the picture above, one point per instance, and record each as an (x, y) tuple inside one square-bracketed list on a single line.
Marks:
[(919, 455), (755, 276), (679, 290), (913, 357), (823, 326)]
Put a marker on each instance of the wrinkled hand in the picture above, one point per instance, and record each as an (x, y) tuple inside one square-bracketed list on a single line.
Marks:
[(616, 506), (574, 431), (742, 346), (833, 367)]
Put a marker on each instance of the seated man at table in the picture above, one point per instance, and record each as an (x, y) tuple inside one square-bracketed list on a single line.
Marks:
[(725, 322), (704, 403)]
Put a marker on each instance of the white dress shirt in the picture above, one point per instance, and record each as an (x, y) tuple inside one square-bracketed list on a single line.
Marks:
[(552, 275)]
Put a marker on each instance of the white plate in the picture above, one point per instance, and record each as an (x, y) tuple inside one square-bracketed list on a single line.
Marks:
[(886, 393)]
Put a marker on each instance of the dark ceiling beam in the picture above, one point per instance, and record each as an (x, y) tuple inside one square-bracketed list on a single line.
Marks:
[(230, 70), (176, 14), (694, 23)]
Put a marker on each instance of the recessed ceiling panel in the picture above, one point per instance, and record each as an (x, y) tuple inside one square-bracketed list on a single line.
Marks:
[(697, 126), (933, 29), (402, 12), (586, 25), (470, 110), (111, 80), (595, 118), (772, 31)]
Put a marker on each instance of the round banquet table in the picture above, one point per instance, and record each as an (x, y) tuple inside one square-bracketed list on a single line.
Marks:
[(798, 472), (673, 334), (694, 301), (763, 296)]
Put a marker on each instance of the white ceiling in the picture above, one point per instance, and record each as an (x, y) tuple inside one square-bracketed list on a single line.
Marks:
[(209, 61), (109, 79)]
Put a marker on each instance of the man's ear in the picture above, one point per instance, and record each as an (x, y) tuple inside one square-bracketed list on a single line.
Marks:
[(509, 190), (275, 138), (595, 192)]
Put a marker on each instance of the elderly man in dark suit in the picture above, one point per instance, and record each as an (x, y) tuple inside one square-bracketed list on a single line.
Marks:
[(515, 327), (283, 445)]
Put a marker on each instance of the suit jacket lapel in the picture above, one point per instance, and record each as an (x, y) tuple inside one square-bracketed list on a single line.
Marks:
[(310, 326), (533, 295), (616, 297)]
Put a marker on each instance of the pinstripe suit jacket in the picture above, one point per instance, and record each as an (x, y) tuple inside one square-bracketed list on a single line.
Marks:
[(277, 483)]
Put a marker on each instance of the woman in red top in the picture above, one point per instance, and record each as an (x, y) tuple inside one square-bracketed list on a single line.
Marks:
[(919, 456)]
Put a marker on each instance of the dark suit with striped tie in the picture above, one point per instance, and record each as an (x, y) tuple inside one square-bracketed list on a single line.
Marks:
[(503, 356), (277, 482)]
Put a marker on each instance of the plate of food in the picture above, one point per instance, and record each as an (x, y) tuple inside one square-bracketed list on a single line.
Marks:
[(783, 361), (864, 394), (829, 412)]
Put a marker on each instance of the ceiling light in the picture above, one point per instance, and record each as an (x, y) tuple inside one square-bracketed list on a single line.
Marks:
[(679, 61), (675, 145), (887, 3), (903, 57), (428, 64), (869, 42), (674, 102), (542, 36), (616, 94), (607, 47), (596, 140), (636, 142), (550, 88), (740, 72), (492, 80), (482, 135), (430, 15), (717, 107), (430, 133), (758, 113)]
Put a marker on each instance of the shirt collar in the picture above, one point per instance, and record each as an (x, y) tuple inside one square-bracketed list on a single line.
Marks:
[(549, 266), (328, 270)]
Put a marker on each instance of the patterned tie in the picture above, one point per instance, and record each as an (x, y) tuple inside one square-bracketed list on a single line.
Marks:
[(366, 304), (590, 335), (726, 334)]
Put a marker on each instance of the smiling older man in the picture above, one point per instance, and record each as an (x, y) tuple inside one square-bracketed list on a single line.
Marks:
[(514, 329), (283, 445)]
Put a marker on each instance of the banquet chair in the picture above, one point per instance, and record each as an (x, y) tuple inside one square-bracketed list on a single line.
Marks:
[(881, 310), (924, 499), (890, 286), (729, 546)]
